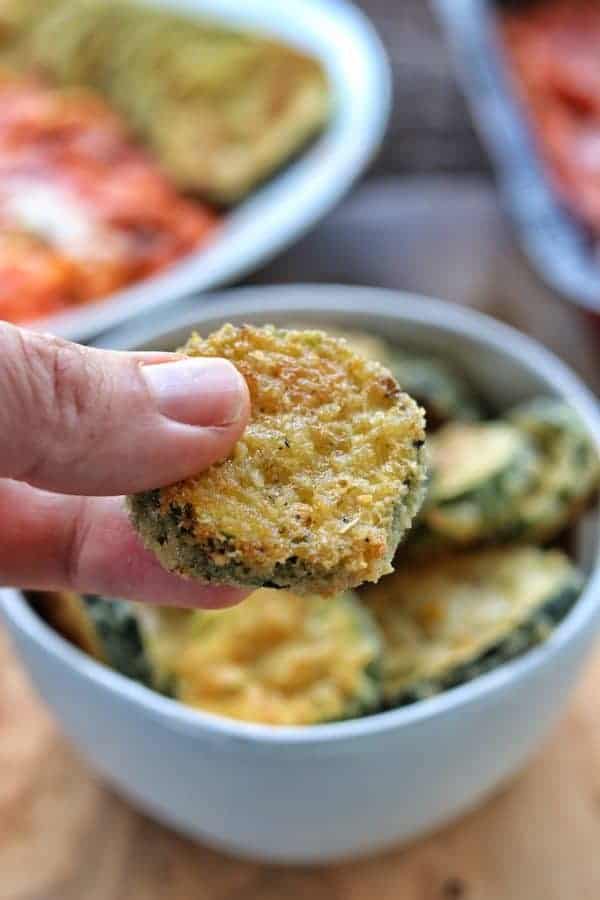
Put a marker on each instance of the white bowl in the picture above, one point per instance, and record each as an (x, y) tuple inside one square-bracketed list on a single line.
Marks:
[(319, 793), (302, 192)]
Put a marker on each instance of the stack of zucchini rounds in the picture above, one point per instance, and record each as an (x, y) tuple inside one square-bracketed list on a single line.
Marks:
[(480, 579)]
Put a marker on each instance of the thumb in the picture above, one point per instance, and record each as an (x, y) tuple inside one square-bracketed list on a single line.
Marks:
[(82, 421)]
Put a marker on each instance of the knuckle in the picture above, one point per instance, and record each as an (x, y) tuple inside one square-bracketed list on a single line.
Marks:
[(65, 381), (79, 530), (76, 400), (56, 393)]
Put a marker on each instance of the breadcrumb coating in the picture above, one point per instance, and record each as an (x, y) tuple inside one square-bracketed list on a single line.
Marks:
[(276, 658), (323, 484)]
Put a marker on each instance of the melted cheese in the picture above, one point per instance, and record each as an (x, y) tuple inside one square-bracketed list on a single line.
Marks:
[(54, 214)]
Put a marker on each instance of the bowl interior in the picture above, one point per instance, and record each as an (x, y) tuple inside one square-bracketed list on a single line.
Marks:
[(506, 366)]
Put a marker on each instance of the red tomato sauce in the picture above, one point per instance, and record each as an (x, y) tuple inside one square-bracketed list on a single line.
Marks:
[(553, 49), (84, 211)]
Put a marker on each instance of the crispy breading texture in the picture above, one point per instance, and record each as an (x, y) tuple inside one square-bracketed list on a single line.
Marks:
[(277, 658), (444, 622), (324, 483)]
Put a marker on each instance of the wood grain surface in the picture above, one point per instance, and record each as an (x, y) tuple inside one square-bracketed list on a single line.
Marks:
[(64, 836)]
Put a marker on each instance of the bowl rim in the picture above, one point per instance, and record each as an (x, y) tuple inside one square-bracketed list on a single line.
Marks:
[(324, 301)]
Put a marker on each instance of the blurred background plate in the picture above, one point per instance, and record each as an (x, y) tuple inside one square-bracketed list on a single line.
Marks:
[(294, 199), (556, 245)]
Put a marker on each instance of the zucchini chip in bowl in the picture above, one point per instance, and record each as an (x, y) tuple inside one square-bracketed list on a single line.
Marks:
[(526, 478), (107, 630), (567, 469), (477, 471), (277, 658), (321, 487), (435, 385), (445, 623)]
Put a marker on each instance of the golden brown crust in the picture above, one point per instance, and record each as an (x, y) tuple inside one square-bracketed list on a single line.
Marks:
[(322, 485), (444, 622), (276, 658)]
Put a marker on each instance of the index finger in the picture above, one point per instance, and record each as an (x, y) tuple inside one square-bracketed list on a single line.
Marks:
[(52, 542)]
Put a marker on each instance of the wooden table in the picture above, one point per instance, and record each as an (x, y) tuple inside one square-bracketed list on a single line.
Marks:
[(63, 836), (430, 129)]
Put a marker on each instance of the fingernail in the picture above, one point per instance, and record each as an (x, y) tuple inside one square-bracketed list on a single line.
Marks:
[(204, 392)]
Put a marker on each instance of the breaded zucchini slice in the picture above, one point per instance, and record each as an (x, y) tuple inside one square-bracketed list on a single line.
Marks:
[(371, 346), (567, 467), (366, 344), (321, 488), (277, 658), (435, 385), (446, 622), (478, 472), (107, 630)]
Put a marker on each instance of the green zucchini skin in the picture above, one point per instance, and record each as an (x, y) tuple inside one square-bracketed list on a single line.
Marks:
[(437, 387), (107, 630), (532, 633), (118, 629), (567, 471), (447, 621), (478, 471), (533, 501)]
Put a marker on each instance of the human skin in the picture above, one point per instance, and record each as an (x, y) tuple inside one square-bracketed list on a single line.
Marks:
[(81, 427)]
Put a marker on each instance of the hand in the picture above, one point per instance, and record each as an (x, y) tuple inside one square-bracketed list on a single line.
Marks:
[(88, 425)]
